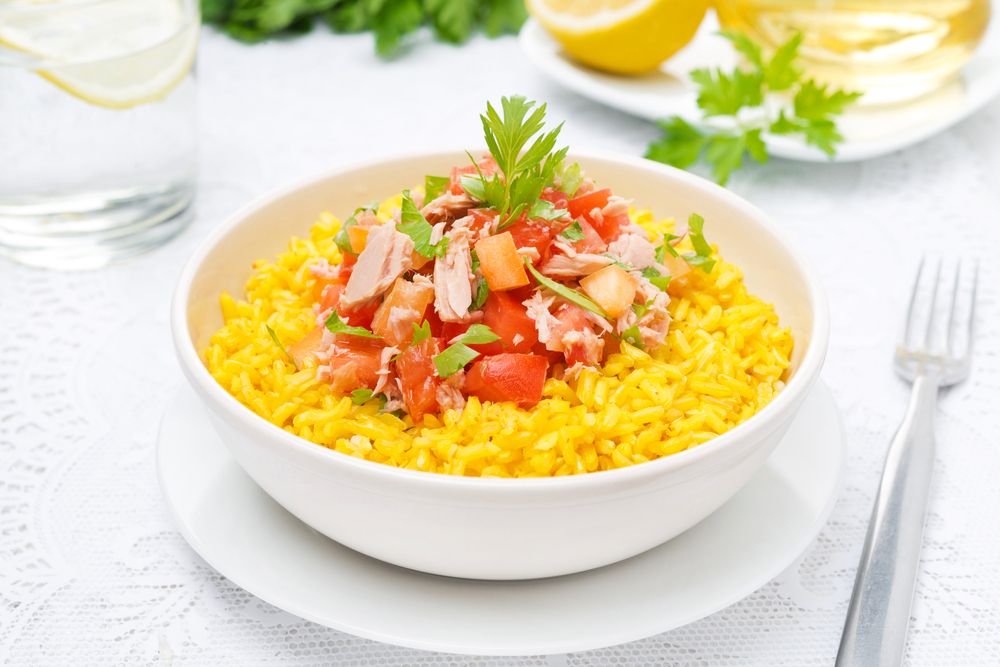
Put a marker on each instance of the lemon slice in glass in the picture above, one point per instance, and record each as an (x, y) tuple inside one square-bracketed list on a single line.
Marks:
[(621, 36), (111, 53)]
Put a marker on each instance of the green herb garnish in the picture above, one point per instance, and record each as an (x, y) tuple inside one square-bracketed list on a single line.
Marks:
[(415, 225), (526, 168), (570, 178), (567, 293), (281, 347), (656, 278), (342, 240), (390, 20), (633, 336), (482, 293), (702, 256), (458, 354), (361, 396), (742, 97), (434, 186), (421, 333), (336, 325), (574, 232), (546, 210)]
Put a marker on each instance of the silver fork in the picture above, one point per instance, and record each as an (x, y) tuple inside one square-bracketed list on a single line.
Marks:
[(935, 352)]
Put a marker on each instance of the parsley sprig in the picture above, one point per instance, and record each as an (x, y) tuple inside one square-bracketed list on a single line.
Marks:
[(526, 168), (391, 21), (455, 357), (740, 106)]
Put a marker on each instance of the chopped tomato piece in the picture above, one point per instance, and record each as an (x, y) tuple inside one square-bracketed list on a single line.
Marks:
[(537, 234), (487, 165), (354, 364), (591, 241), (556, 197), (508, 377), (331, 296), (307, 348), (610, 226), (501, 265), (570, 318), (410, 301), (480, 218), (361, 315), (507, 317), (415, 369), (584, 204)]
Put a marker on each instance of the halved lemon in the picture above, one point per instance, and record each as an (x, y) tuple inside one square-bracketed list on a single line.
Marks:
[(112, 53), (621, 36)]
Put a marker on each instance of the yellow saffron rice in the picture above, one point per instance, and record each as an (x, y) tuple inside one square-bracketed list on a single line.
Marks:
[(725, 358)]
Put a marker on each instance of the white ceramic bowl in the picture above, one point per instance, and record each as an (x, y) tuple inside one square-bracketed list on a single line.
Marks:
[(498, 528)]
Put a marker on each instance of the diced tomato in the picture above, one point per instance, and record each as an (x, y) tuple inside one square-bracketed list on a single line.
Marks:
[(576, 352), (361, 315), (507, 317), (348, 260), (537, 234), (508, 377), (331, 296), (307, 348), (354, 364), (591, 241), (415, 369), (609, 226), (556, 197), (410, 300), (487, 165), (480, 218), (570, 318), (584, 204)]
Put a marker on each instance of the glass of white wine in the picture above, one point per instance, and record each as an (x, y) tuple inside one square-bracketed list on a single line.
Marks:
[(892, 50), (97, 127)]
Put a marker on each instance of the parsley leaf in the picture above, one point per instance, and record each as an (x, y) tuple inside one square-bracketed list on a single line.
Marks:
[(361, 396), (453, 20), (342, 240), (478, 334), (570, 178), (546, 210), (482, 293), (415, 225), (274, 337), (453, 359), (336, 325), (421, 333), (702, 256), (394, 20), (500, 16), (434, 187), (523, 153), (574, 232), (633, 336), (723, 145), (656, 278), (567, 293)]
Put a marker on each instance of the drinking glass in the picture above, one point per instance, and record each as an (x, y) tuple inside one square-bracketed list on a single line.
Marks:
[(892, 50), (97, 127)]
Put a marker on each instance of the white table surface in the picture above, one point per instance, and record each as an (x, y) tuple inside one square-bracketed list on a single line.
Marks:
[(91, 570)]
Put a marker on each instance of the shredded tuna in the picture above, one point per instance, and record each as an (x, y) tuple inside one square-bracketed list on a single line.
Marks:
[(588, 341), (324, 271), (573, 372), (529, 252), (453, 278), (655, 322), (400, 322), (598, 321), (568, 263), (633, 250), (517, 340), (437, 232), (537, 308), (447, 207), (449, 393), (384, 372), (386, 255), (393, 397)]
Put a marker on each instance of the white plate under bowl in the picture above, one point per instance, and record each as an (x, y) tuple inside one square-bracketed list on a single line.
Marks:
[(868, 131), (245, 535)]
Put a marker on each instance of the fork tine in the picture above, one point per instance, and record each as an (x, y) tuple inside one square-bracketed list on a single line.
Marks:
[(908, 328), (926, 344), (970, 324), (949, 341)]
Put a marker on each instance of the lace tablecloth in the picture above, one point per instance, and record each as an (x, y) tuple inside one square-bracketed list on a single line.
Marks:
[(91, 569)]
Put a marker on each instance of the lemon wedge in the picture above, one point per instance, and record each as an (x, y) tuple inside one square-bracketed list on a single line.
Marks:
[(620, 36), (111, 53)]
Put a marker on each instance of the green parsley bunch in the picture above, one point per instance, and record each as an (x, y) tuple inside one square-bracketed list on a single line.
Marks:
[(744, 101), (390, 20)]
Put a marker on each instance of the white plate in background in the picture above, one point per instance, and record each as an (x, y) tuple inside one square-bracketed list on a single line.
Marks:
[(868, 132), (245, 535)]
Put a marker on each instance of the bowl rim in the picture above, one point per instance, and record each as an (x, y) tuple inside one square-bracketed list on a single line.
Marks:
[(757, 425)]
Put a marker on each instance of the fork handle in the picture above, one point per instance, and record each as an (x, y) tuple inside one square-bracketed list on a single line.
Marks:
[(875, 629)]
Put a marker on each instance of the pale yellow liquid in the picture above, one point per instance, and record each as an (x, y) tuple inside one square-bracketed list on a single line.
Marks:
[(889, 49)]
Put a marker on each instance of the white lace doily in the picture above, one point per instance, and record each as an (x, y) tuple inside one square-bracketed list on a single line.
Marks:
[(91, 570)]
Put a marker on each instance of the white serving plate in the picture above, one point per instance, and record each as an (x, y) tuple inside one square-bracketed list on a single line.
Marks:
[(868, 131), (245, 535)]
